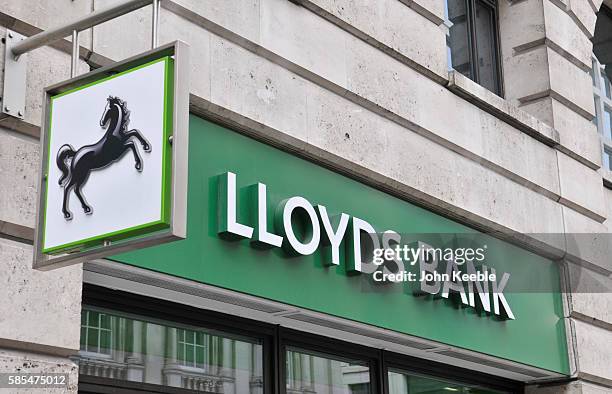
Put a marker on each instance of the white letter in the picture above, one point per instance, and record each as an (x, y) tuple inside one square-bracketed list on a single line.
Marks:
[(228, 225), (387, 237), (262, 236), (354, 262), (378, 260), (284, 212), (498, 296), (482, 288), (453, 282), (333, 238)]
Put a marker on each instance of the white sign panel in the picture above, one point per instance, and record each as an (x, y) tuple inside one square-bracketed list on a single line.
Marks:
[(114, 165), (106, 152)]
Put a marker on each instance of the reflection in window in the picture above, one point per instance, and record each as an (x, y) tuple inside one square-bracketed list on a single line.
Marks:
[(597, 115), (607, 158), (606, 84), (96, 332), (191, 348), (137, 350), (607, 122), (405, 383), (458, 38), (319, 374)]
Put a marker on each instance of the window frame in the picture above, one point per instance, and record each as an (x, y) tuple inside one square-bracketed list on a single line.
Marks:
[(100, 329), (275, 340), (194, 345), (325, 346), (470, 7), (601, 102), (162, 310)]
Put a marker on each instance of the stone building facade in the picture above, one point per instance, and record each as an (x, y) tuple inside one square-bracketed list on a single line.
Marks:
[(363, 87)]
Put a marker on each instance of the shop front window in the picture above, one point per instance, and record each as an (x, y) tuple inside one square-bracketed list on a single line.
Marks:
[(408, 383), (315, 373), (138, 350), (136, 344)]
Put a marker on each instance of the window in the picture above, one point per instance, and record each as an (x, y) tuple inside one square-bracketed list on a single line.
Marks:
[(317, 373), (607, 158), (409, 383), (96, 332), (133, 349), (191, 348), (472, 41), (607, 122), (606, 84), (602, 92)]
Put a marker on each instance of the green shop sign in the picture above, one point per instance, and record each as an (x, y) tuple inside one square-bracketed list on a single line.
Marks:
[(264, 222)]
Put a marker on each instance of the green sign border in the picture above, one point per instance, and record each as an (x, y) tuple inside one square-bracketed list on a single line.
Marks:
[(145, 228)]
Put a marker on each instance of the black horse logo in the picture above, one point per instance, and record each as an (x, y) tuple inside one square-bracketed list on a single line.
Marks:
[(77, 165)]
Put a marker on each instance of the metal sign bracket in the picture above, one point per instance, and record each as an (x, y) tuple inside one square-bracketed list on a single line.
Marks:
[(15, 68), (17, 47)]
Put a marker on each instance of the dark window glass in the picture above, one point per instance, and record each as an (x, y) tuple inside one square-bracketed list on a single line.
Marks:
[(407, 383), (485, 53), (458, 39), (359, 388), (317, 374), (472, 41)]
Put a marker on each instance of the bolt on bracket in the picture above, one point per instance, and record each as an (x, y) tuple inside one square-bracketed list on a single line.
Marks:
[(14, 91)]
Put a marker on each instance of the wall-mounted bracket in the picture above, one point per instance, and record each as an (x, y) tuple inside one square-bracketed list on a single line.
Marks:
[(17, 47), (14, 91)]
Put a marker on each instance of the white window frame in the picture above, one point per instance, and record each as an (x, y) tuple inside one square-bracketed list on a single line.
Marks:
[(601, 103), (182, 342), (87, 326)]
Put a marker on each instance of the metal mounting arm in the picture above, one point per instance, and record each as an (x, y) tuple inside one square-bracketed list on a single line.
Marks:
[(17, 47)]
